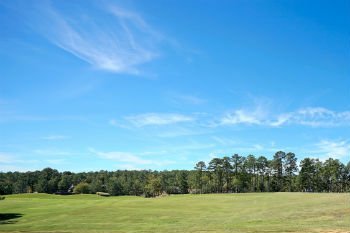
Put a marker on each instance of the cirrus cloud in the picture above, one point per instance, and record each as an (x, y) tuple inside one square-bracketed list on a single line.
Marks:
[(121, 44), (337, 149), (149, 119), (128, 159), (310, 116)]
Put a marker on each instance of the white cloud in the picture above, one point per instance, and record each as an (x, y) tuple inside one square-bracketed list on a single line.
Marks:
[(162, 125), (10, 162), (281, 120), (311, 116), (337, 149), (148, 119), (314, 117), (246, 116), (119, 124), (258, 116), (322, 117), (258, 147), (128, 158), (122, 43), (240, 117), (188, 99), (7, 158)]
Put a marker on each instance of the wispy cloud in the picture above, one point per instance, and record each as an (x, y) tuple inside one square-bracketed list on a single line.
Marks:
[(223, 141), (247, 116), (315, 117), (130, 159), (186, 99), (149, 119), (311, 116), (258, 116), (161, 125), (120, 123), (10, 162), (7, 158), (337, 149), (240, 117), (227, 146), (122, 43)]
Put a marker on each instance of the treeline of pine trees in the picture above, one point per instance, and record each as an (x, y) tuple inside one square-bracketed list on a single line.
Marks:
[(221, 175)]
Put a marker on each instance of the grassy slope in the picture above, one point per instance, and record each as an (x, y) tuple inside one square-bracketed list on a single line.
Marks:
[(274, 212)]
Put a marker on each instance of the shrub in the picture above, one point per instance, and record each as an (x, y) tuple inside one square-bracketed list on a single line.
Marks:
[(82, 188)]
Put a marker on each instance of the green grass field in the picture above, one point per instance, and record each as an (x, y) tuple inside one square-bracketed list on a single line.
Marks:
[(258, 212)]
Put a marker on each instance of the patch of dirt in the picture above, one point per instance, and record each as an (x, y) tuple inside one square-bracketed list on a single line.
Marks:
[(332, 231)]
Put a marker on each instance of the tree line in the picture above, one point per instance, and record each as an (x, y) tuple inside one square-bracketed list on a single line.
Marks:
[(280, 174), (229, 174)]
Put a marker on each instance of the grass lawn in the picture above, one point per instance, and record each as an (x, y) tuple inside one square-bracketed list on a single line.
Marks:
[(255, 212)]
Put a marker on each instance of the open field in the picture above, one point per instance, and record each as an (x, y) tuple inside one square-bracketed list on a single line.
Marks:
[(258, 212)]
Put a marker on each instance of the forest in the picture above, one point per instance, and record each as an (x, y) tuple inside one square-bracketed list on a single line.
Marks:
[(234, 174)]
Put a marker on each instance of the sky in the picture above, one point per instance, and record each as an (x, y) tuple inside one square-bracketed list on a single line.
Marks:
[(161, 85)]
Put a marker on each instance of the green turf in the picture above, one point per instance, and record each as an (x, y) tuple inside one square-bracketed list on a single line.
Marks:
[(258, 212)]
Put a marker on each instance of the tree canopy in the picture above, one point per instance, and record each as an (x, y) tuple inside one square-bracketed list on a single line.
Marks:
[(227, 174)]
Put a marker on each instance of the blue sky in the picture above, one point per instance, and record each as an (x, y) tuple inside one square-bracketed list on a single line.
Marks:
[(91, 85)]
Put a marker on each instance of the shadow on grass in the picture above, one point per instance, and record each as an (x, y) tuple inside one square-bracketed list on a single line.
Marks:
[(9, 218)]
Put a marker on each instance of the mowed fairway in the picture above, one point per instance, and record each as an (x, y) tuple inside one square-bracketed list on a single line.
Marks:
[(256, 212)]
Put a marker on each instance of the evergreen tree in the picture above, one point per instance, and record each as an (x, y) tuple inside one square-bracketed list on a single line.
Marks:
[(290, 167)]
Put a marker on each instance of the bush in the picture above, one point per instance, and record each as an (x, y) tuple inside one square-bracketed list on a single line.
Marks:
[(2, 198), (82, 188)]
